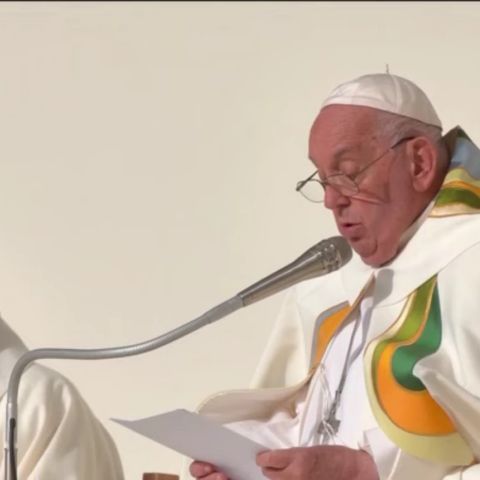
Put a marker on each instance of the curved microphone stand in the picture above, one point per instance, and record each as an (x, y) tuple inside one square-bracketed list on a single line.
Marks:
[(322, 258)]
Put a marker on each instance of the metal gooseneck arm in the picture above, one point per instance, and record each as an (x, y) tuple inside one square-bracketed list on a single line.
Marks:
[(324, 257), (212, 315)]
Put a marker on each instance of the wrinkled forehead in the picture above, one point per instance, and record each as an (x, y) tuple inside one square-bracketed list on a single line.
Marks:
[(340, 127)]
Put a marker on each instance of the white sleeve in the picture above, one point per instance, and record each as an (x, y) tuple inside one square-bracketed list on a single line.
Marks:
[(284, 360), (59, 437)]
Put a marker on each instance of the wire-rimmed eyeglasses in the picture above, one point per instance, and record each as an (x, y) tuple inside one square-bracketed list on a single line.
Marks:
[(341, 182)]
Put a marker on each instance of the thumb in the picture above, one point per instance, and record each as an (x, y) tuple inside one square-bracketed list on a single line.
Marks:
[(278, 459)]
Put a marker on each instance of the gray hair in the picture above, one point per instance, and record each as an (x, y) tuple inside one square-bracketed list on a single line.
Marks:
[(393, 128)]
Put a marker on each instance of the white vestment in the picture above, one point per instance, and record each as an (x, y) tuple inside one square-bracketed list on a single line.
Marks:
[(59, 438), (276, 415), (284, 409)]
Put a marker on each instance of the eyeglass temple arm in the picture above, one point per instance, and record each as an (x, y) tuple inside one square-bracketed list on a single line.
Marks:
[(302, 183)]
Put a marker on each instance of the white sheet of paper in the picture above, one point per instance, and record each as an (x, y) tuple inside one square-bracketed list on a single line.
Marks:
[(200, 438)]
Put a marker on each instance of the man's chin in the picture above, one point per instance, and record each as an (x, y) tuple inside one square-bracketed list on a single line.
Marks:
[(369, 252), (377, 258), (372, 261), (362, 246)]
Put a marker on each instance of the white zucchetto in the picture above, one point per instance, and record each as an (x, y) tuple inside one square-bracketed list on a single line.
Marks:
[(386, 92)]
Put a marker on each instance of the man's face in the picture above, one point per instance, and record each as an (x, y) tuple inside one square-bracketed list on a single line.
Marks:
[(344, 139)]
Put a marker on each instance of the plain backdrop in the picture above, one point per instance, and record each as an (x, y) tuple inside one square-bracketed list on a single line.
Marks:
[(149, 154)]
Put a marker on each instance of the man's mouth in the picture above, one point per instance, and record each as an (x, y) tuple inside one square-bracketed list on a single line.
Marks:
[(350, 230)]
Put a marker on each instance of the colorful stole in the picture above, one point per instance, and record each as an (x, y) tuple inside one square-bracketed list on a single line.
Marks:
[(402, 405), (460, 192)]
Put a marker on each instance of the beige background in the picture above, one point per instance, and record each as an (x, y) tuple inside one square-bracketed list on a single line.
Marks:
[(149, 154)]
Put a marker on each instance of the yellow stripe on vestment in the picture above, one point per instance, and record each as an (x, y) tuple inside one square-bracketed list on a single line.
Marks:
[(327, 331)]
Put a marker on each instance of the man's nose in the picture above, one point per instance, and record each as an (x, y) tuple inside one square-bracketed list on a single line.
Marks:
[(334, 198)]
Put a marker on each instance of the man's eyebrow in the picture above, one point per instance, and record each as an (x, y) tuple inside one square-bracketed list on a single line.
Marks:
[(342, 150)]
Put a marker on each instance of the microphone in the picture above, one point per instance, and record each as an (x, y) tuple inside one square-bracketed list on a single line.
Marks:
[(324, 257)]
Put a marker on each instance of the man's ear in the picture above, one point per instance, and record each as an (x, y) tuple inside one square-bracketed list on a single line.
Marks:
[(423, 166)]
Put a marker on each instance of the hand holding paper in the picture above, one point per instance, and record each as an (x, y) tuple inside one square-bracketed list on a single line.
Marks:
[(202, 439)]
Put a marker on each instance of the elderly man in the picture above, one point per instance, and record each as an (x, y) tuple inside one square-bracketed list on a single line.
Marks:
[(390, 343), (59, 438)]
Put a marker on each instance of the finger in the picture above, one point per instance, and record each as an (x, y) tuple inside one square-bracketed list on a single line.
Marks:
[(274, 459), (274, 473), (216, 476), (201, 469)]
